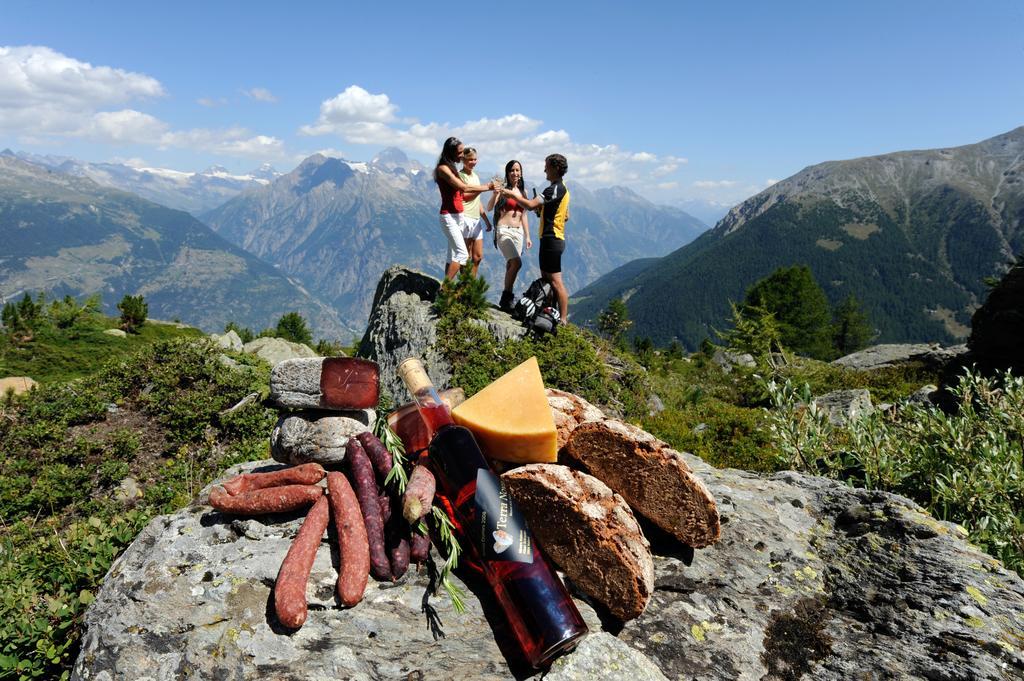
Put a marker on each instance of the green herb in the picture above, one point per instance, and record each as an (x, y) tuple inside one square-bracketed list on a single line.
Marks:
[(393, 443), (452, 549)]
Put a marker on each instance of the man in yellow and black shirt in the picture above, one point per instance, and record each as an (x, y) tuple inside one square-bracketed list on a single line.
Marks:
[(554, 213)]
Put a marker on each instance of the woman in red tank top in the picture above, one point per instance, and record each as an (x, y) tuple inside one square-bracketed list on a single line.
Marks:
[(453, 190), (511, 229)]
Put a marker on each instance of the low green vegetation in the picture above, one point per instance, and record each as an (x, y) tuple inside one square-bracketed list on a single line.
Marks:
[(158, 416), (964, 467), (574, 360), (61, 340)]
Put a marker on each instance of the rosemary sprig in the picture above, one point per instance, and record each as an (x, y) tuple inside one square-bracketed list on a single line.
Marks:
[(445, 530), (393, 443)]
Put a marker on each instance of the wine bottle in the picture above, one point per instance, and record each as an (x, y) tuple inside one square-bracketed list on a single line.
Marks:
[(541, 615)]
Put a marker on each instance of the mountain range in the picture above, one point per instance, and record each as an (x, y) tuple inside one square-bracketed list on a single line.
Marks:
[(67, 235), (913, 235), (194, 192), (323, 234), (336, 225)]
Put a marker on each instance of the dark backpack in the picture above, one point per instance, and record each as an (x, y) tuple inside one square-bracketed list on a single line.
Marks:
[(536, 308)]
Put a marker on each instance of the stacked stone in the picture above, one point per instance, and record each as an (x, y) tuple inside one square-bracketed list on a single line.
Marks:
[(323, 402)]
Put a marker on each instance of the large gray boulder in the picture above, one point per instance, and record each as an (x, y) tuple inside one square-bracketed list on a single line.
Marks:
[(277, 350), (229, 340), (843, 406), (894, 354), (402, 324), (811, 579)]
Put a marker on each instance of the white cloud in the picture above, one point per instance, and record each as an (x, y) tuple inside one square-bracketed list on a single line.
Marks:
[(769, 182), (260, 94), (210, 102), (667, 185), (48, 96), (359, 117), (714, 184), (32, 75), (123, 127)]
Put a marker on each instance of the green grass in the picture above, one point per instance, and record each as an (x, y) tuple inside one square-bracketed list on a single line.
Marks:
[(153, 414), (61, 355)]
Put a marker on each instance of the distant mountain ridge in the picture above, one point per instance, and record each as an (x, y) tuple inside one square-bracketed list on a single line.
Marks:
[(67, 235), (194, 192), (912, 234), (336, 225)]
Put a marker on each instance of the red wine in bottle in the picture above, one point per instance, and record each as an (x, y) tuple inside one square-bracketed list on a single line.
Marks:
[(493, 533)]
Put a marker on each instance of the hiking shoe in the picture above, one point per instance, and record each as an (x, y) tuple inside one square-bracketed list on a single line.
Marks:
[(506, 301)]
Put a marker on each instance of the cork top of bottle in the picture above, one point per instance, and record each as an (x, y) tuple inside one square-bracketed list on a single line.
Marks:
[(411, 371)]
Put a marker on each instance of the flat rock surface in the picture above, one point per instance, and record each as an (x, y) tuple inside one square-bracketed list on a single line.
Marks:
[(892, 354), (810, 578)]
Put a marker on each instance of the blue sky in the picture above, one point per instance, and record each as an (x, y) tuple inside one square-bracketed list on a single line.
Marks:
[(676, 100)]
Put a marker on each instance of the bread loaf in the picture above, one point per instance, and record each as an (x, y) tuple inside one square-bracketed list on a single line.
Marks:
[(652, 477), (589, 532)]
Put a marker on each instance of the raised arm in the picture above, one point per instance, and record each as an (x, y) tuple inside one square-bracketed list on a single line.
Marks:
[(454, 180)]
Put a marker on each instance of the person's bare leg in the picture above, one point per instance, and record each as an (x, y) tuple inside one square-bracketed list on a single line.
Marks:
[(563, 296), (476, 253), (451, 270), (511, 271)]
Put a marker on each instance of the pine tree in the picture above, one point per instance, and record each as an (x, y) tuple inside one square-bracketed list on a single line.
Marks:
[(800, 308), (851, 328), (133, 312), (292, 327), (614, 320)]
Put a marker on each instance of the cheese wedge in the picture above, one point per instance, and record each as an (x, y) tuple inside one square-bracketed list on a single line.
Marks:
[(511, 419)]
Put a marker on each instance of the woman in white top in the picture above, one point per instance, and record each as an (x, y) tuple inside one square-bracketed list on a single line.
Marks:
[(511, 228), (472, 219)]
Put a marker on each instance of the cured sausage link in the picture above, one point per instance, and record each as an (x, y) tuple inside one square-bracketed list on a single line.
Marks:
[(353, 549), (306, 474), (378, 454), (269, 500), (290, 588), (366, 491)]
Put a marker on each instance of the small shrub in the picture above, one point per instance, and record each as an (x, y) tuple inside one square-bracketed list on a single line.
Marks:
[(466, 295), (134, 310)]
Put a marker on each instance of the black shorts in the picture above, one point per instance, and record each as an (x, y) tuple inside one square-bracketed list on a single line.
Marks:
[(551, 249)]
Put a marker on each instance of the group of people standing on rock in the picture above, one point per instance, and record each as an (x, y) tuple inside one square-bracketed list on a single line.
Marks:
[(463, 222)]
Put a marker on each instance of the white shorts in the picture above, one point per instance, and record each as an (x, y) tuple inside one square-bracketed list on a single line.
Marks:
[(452, 227), (510, 241), (472, 228)]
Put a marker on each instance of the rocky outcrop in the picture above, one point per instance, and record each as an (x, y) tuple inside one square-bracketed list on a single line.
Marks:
[(887, 355), (229, 340), (402, 324), (843, 406), (811, 579), (277, 350), (997, 327), (16, 385)]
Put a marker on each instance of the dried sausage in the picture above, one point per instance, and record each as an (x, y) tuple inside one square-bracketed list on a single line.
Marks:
[(269, 500), (419, 494), (419, 546), (306, 474), (378, 454), (353, 549), (290, 588), (361, 475), (398, 544)]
